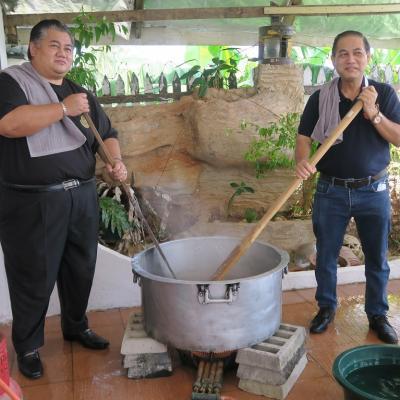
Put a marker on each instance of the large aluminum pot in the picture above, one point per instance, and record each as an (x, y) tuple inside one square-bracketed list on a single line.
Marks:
[(194, 313)]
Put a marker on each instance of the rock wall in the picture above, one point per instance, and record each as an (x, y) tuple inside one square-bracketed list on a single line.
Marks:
[(183, 155)]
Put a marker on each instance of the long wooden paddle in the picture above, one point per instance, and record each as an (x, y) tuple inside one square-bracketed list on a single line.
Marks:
[(247, 241), (135, 204)]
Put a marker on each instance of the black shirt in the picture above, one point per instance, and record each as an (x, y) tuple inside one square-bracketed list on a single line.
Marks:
[(363, 151), (16, 164)]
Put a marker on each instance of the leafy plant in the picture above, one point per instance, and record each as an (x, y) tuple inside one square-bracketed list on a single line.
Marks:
[(120, 227), (217, 74), (87, 31), (240, 188), (275, 144), (313, 57), (113, 216), (250, 215)]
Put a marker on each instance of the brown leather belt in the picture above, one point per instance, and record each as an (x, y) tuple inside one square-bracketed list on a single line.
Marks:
[(66, 185), (351, 183)]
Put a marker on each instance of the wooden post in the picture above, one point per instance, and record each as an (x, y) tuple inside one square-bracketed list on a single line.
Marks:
[(162, 85), (176, 84), (134, 84)]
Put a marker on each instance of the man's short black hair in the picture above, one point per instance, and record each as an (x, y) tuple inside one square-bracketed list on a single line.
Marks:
[(350, 33), (41, 28)]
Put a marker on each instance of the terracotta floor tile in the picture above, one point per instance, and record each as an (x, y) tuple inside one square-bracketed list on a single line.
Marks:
[(53, 324), (105, 387), (99, 363), (316, 389), (54, 343), (298, 314), (394, 286), (355, 289), (57, 368), (53, 391), (341, 291), (308, 294), (334, 335), (75, 373), (325, 354), (56, 356), (104, 318), (313, 370), (291, 297)]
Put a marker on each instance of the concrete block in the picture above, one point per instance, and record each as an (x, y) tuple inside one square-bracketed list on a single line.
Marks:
[(136, 340), (149, 368), (132, 360), (270, 376), (274, 391), (275, 352)]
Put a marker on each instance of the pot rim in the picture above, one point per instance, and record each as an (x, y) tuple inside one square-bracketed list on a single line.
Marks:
[(137, 269)]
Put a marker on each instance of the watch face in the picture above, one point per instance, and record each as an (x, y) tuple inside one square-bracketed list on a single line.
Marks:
[(377, 119)]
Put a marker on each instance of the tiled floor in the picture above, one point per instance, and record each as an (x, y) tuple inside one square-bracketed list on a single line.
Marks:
[(74, 373)]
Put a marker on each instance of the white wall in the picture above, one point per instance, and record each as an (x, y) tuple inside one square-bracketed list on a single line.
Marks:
[(112, 286), (306, 279)]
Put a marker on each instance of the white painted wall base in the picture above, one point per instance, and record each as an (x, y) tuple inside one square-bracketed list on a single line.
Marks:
[(306, 279), (113, 285)]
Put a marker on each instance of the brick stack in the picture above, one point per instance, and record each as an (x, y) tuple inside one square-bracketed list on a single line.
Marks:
[(272, 367), (143, 356)]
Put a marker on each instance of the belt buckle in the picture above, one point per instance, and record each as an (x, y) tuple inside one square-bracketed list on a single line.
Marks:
[(349, 181), (70, 184)]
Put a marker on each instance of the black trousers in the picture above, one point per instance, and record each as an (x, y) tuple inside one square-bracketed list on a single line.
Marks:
[(48, 237)]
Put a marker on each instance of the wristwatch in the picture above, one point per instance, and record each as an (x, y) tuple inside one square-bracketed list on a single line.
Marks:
[(377, 119)]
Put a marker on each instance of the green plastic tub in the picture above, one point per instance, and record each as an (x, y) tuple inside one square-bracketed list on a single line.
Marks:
[(369, 372)]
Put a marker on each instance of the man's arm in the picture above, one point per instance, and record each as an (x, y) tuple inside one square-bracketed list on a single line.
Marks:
[(118, 172), (302, 153), (388, 129), (27, 120)]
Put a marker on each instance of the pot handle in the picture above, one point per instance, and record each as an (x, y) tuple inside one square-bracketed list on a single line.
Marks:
[(137, 279), (204, 296)]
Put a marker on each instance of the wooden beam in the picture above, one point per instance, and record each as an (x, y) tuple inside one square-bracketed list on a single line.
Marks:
[(143, 15), (349, 9), (13, 20)]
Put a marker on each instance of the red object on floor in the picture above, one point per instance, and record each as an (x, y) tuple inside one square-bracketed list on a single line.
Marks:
[(4, 369)]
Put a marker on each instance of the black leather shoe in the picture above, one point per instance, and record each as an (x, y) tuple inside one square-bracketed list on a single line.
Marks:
[(384, 331), (88, 339), (29, 364), (321, 321)]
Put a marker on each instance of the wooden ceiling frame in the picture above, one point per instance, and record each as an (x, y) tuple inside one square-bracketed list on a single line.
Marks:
[(138, 16), (12, 20)]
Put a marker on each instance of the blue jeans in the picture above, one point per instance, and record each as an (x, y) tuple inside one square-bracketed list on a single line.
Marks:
[(371, 209)]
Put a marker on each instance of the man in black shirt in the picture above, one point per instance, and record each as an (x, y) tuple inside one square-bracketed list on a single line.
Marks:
[(353, 179), (48, 200)]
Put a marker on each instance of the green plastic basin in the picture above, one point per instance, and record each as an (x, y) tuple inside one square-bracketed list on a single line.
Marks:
[(369, 372)]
